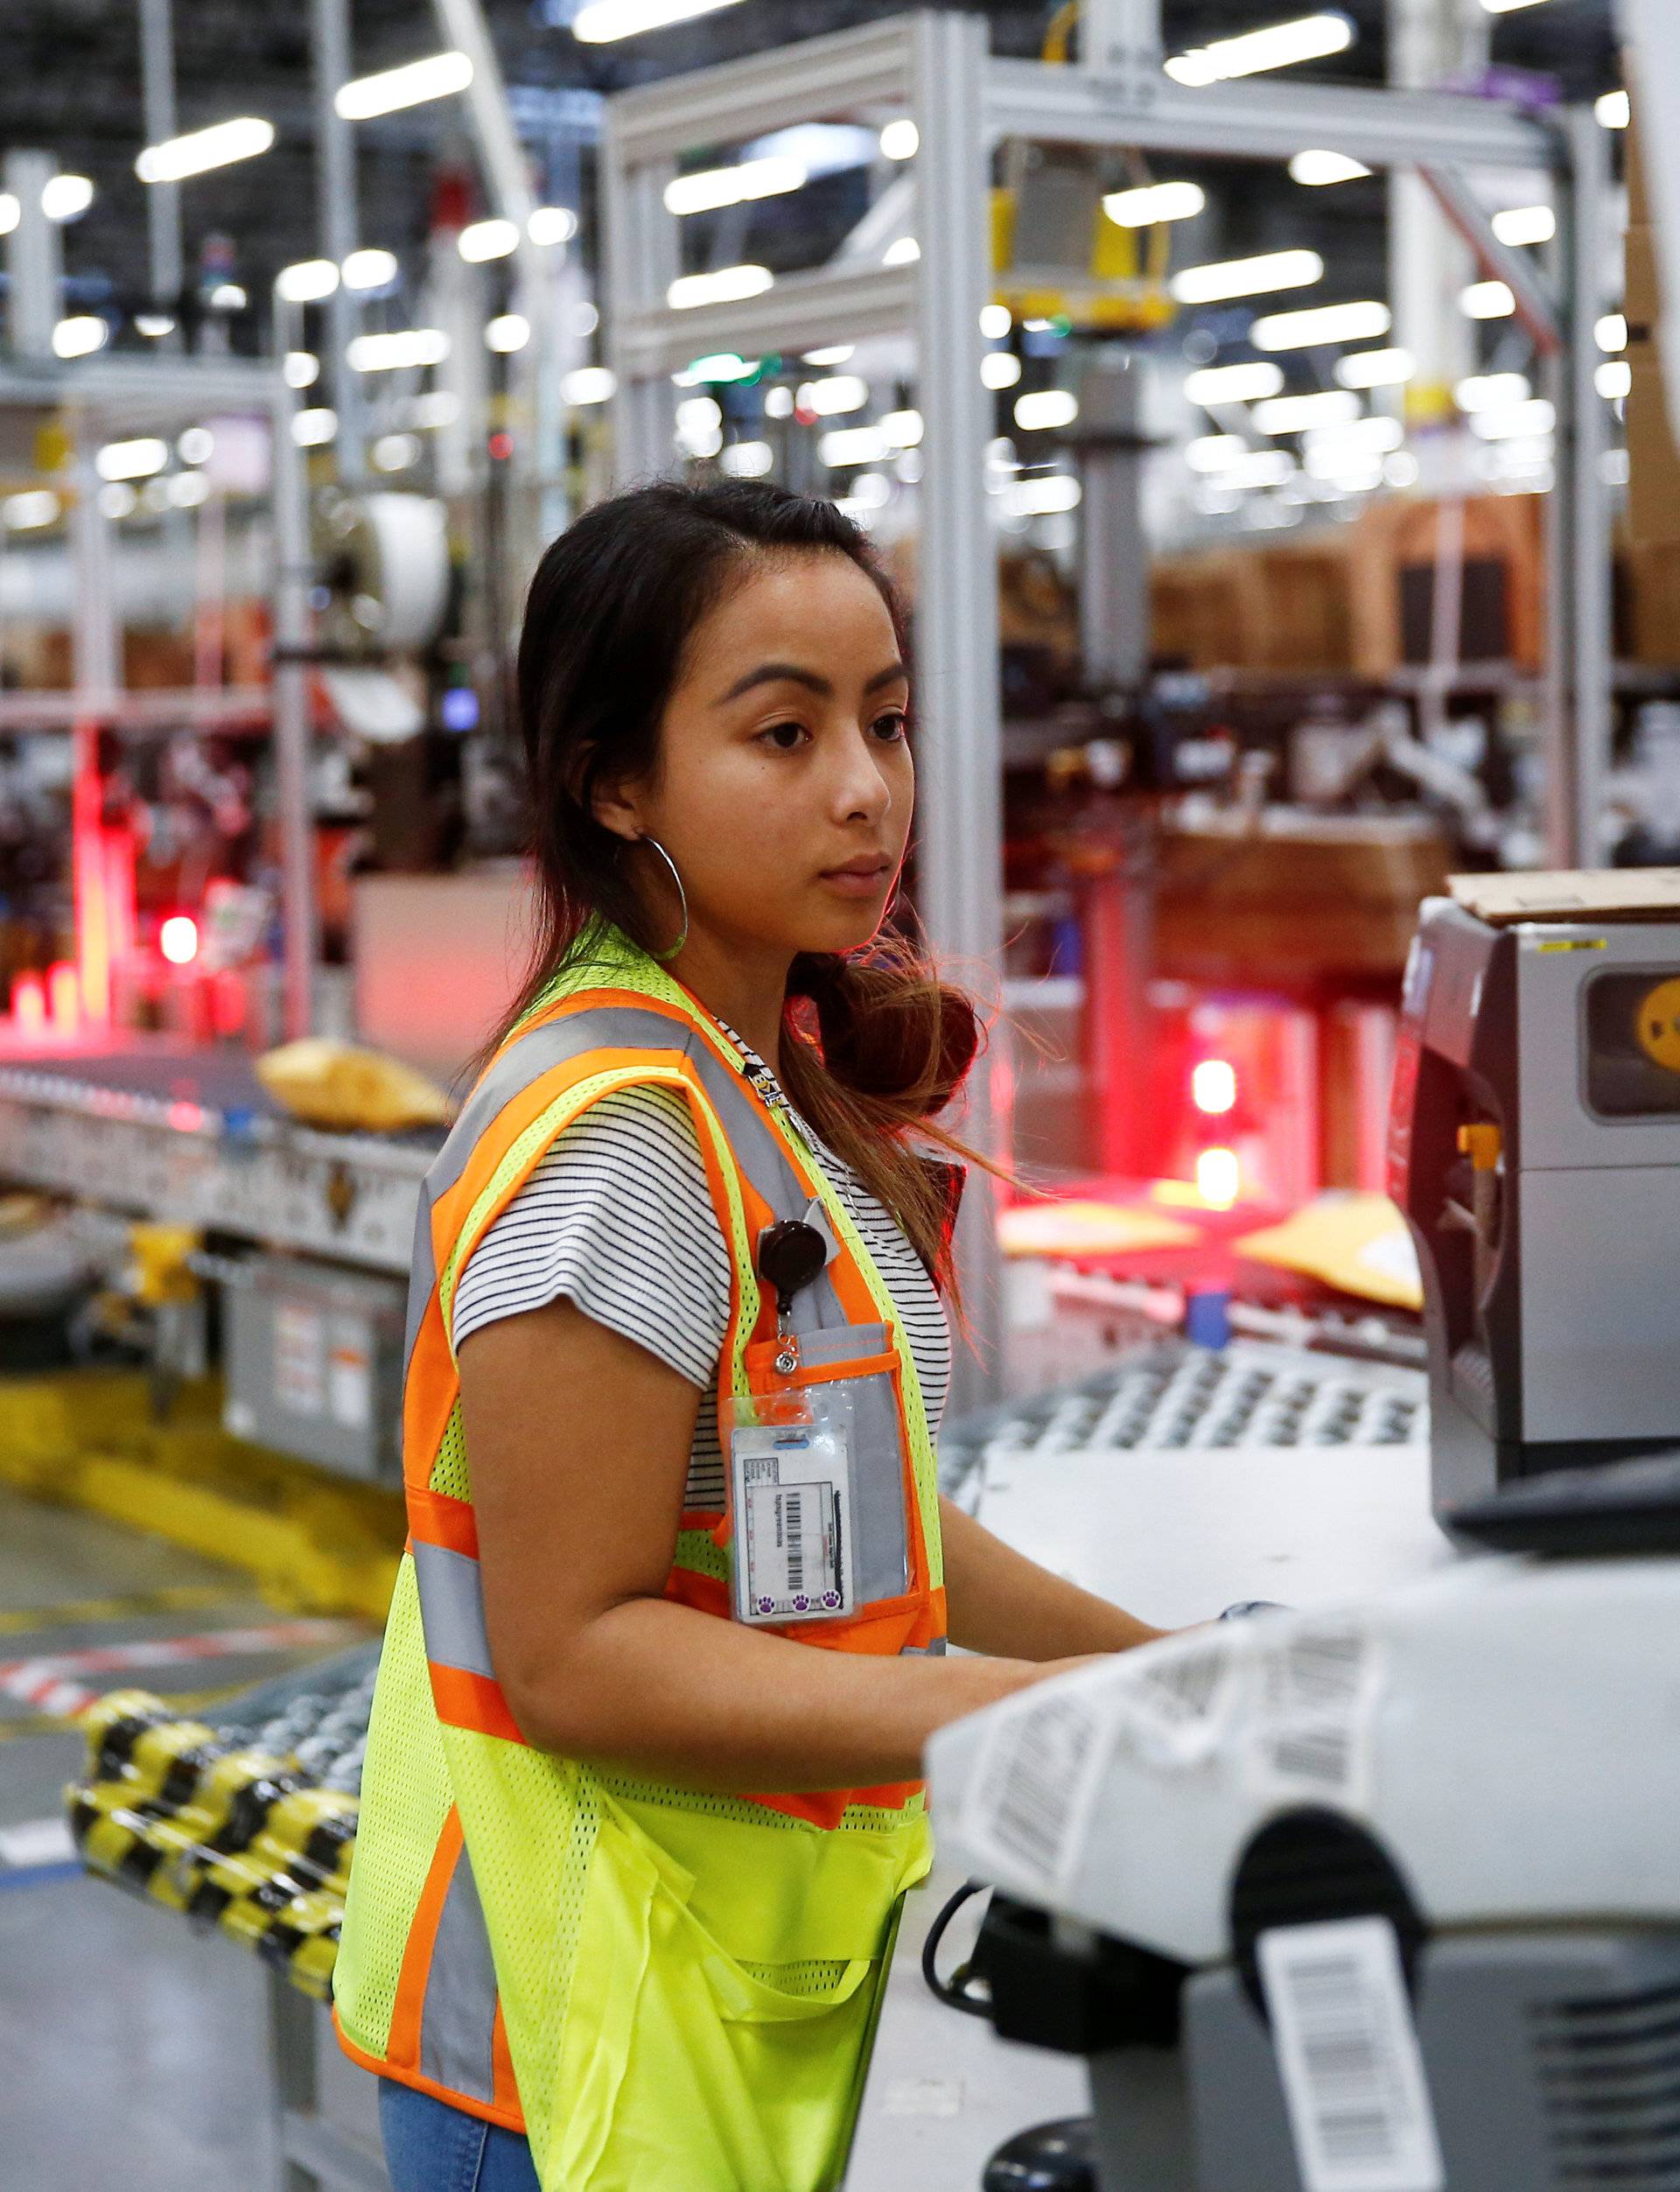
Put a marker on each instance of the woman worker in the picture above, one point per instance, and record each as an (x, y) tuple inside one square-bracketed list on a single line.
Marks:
[(641, 1797)]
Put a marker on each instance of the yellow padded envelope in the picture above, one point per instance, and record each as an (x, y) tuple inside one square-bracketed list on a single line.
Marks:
[(1357, 1242), (1087, 1228)]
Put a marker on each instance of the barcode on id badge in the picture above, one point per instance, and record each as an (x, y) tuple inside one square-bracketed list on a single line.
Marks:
[(1031, 1780), (792, 1512), (1347, 2054)]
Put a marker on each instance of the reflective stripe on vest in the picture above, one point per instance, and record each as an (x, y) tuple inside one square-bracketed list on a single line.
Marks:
[(451, 1584)]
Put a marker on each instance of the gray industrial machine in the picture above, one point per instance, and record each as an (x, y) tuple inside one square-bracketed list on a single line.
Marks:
[(1534, 1149), (1382, 1900)]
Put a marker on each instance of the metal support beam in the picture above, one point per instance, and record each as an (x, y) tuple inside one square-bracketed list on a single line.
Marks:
[(34, 261), (1110, 448), (1537, 308), (1579, 665), (166, 257), (293, 574), (335, 192), (959, 824), (1122, 37)]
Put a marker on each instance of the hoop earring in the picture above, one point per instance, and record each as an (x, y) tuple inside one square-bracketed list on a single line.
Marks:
[(683, 897)]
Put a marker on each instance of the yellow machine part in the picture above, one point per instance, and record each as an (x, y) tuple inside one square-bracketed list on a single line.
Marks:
[(314, 1542), (1658, 1025)]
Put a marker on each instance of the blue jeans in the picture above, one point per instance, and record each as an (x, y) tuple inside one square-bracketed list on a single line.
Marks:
[(432, 2147)]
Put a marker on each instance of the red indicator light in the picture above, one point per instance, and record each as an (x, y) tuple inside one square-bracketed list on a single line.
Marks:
[(1212, 1087)]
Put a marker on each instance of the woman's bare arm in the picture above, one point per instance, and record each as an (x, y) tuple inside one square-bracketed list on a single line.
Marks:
[(578, 1445), (999, 1600)]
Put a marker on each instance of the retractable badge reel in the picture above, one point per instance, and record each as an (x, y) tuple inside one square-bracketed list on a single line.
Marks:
[(790, 1465)]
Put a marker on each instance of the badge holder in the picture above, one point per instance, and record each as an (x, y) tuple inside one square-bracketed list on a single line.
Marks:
[(789, 1480)]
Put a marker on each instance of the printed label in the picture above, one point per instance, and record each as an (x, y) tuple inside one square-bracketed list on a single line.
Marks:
[(1311, 1719), (299, 1358), (1347, 2054)]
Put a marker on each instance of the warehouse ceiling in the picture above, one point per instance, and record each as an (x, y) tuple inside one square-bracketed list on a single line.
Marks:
[(71, 87)]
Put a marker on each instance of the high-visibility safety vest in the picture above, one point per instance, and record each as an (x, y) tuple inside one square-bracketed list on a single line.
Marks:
[(668, 1991)]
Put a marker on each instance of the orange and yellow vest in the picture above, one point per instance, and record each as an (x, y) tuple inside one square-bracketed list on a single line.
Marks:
[(666, 1991)]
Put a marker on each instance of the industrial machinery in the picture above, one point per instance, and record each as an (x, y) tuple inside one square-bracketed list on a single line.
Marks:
[(1340, 1900), (1536, 1151)]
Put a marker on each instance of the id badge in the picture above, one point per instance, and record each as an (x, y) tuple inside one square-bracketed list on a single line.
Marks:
[(790, 1500)]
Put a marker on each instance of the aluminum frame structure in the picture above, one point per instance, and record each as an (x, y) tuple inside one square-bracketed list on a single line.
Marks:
[(937, 69)]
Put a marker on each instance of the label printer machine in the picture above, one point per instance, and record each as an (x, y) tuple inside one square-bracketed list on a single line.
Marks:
[(1385, 1897), (1534, 1149)]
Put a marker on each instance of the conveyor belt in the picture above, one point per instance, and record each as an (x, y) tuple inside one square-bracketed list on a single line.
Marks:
[(190, 1136)]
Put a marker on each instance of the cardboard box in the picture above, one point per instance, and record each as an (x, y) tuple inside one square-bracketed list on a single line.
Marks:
[(1651, 625), (1653, 461), (1571, 894), (1396, 549)]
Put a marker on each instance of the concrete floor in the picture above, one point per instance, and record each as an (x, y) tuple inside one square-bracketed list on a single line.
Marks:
[(136, 2054)]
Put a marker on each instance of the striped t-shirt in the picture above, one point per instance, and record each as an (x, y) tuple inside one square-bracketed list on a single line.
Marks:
[(617, 1216)]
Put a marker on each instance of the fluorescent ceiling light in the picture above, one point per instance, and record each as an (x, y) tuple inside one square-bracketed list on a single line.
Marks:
[(836, 354), (1316, 168), (1488, 300), (394, 453), (726, 285), (1308, 38), (79, 336), (1247, 277), (1611, 333), (66, 197), (1491, 391), (851, 445), (435, 77), (714, 187), (901, 140), (36, 506), (227, 297), (117, 498), (999, 369), (1613, 379), (306, 280), (1614, 110), (1525, 224), (1507, 7), (507, 332), (905, 252), (1042, 408), (1321, 323), (401, 348), (196, 447), (438, 408), (778, 403), (1514, 421), (131, 459), (589, 384), (1152, 202), (154, 325), (1375, 369), (1213, 452), (601, 21), (483, 239), (996, 320), (301, 368), (901, 429), (551, 224), (369, 269), (747, 459), (840, 392), (1234, 383), (1046, 495), (185, 489), (1300, 414), (11, 212), (202, 150), (313, 430), (1339, 445)]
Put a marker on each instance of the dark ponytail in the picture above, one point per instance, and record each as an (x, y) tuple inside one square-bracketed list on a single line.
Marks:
[(878, 1045)]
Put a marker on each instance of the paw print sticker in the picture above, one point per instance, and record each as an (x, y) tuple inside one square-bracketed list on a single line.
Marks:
[(767, 1606), (831, 1600), (802, 1604)]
